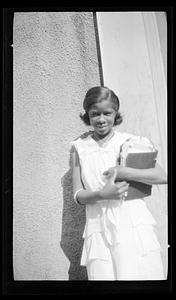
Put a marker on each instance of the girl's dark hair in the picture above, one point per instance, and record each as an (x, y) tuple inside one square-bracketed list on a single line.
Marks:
[(97, 94)]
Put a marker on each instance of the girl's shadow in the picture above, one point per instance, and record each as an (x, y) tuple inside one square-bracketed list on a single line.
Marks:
[(73, 222)]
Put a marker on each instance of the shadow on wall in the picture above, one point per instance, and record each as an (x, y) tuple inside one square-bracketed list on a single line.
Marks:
[(73, 222)]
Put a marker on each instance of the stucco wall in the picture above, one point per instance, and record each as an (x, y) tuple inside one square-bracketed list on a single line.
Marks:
[(55, 62)]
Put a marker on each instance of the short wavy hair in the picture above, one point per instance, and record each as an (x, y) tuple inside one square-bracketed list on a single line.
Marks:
[(97, 94)]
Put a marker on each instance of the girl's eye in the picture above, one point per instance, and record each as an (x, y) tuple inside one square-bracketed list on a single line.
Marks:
[(94, 114), (108, 113)]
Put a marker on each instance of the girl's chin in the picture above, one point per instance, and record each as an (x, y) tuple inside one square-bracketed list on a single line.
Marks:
[(103, 131)]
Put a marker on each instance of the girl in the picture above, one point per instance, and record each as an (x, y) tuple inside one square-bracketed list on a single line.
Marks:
[(119, 239)]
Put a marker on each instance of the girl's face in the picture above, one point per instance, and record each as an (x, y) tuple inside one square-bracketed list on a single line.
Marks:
[(101, 116)]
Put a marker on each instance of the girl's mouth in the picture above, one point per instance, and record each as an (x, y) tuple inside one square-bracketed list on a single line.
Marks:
[(102, 126)]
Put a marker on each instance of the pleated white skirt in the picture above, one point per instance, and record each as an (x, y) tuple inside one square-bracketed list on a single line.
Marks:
[(135, 253)]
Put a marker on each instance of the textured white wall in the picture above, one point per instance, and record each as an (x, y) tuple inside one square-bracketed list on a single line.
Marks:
[(137, 76), (55, 62)]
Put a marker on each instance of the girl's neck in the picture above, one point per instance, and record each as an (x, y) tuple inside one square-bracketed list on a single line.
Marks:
[(105, 138)]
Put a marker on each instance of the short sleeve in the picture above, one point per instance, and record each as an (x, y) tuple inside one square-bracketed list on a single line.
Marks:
[(77, 145), (74, 145)]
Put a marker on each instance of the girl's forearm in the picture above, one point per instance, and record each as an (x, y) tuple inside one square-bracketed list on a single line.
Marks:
[(148, 176), (110, 191), (88, 197)]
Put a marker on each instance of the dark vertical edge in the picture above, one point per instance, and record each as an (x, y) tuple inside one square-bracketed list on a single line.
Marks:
[(98, 48), (7, 147), (169, 19)]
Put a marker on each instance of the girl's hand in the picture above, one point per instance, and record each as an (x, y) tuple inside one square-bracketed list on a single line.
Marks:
[(119, 171), (114, 190)]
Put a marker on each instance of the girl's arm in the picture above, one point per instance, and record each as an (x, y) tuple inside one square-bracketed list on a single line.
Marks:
[(150, 176), (84, 196)]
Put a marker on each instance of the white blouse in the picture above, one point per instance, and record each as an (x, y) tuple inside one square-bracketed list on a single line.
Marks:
[(110, 216)]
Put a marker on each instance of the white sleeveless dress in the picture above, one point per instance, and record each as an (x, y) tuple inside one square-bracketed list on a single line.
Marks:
[(125, 228)]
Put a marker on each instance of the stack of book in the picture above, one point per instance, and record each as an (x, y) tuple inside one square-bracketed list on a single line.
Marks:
[(138, 153)]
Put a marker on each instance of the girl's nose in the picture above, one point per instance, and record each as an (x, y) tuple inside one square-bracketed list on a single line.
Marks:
[(101, 118)]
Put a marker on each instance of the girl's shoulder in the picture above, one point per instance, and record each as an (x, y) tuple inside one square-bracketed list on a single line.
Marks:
[(125, 136), (82, 141), (121, 137)]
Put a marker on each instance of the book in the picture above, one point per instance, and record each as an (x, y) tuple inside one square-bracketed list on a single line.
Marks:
[(139, 155)]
